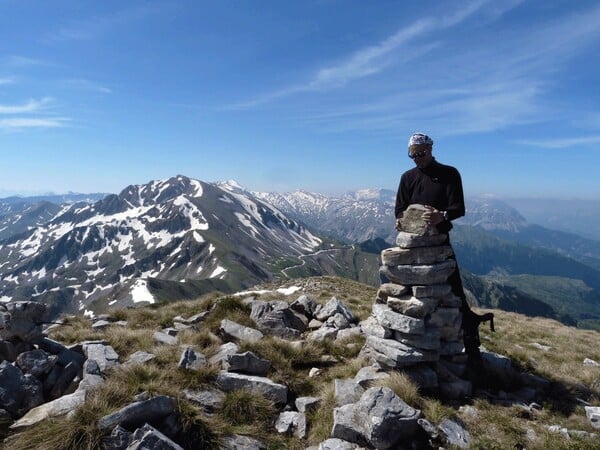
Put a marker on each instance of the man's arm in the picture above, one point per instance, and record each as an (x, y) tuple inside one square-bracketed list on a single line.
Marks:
[(456, 200), (402, 198)]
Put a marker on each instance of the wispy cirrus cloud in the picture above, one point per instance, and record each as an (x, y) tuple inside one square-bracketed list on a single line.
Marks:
[(21, 123), (29, 106), (560, 143), (487, 84), (86, 85), (92, 27), (371, 59)]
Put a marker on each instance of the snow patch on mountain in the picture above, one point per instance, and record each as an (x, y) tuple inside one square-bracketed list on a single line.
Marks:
[(141, 293)]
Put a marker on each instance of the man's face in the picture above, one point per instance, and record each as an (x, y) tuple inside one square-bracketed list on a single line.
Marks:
[(420, 154)]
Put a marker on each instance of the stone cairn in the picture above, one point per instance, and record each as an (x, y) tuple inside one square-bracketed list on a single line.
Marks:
[(416, 321)]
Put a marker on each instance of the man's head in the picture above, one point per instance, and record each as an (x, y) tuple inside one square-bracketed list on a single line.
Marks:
[(419, 149)]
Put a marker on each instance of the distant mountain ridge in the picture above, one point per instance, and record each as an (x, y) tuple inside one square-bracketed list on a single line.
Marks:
[(172, 229)]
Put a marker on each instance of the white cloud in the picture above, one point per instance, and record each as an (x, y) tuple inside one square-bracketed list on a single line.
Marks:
[(27, 107), (562, 142), (20, 123), (86, 85)]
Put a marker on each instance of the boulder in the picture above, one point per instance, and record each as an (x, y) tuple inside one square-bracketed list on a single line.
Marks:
[(277, 318), (455, 434), (593, 414), (238, 442), (247, 362), (339, 444), (332, 307), (118, 439), (138, 413), (12, 391), (148, 437), (229, 381), (209, 400), (104, 355), (387, 420), (22, 320), (36, 362), (139, 357), (305, 306), (367, 375), (305, 404), (346, 391), (163, 338), (235, 331), (191, 360), (229, 348), (291, 422), (54, 408), (346, 425)]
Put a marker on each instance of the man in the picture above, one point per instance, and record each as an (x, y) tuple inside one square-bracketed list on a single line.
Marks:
[(439, 187), (431, 184)]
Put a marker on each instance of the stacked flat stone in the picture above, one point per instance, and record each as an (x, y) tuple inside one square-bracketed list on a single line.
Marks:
[(416, 318)]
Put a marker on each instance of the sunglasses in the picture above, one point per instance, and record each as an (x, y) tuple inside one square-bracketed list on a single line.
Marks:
[(420, 154)]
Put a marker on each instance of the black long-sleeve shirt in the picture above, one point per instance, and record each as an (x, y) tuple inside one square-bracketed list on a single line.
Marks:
[(436, 185)]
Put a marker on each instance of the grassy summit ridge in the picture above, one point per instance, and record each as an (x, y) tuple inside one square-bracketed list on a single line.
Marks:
[(541, 346)]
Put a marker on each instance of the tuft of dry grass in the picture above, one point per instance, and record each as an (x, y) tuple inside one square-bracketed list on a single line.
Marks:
[(404, 388)]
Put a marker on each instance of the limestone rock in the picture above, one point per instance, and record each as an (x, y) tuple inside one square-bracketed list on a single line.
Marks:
[(163, 338), (139, 413), (430, 340), (238, 442), (233, 330), (339, 444), (432, 290), (346, 391), (229, 381), (291, 422), (104, 355), (247, 362), (346, 425), (371, 327), (412, 306), (54, 408), (148, 437), (412, 221), (455, 433), (36, 362), (332, 307), (305, 305), (593, 414), (305, 404), (139, 357), (229, 348), (411, 240), (419, 274), (397, 256), (369, 374), (191, 360), (209, 400), (22, 319), (392, 290), (387, 420), (396, 321), (394, 354), (12, 391), (277, 318)]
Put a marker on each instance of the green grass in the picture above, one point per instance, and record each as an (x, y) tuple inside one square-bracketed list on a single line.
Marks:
[(244, 412)]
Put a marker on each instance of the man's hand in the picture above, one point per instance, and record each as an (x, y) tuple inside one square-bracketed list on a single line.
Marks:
[(432, 216), (398, 224)]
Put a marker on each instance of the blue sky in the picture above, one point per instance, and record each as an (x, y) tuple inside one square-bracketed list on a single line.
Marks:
[(282, 95)]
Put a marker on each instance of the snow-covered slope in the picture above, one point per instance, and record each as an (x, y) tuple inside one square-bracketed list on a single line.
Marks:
[(355, 216), (175, 229)]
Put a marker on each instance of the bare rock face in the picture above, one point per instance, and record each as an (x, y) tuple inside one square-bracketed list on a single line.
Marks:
[(380, 419), (22, 320)]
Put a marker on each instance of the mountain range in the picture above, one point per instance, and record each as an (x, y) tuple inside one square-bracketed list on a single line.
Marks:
[(178, 238)]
